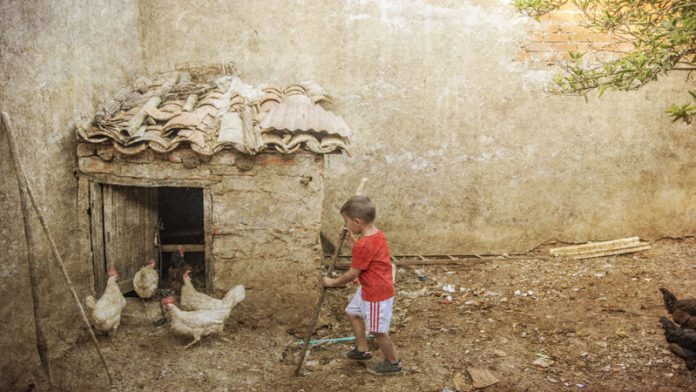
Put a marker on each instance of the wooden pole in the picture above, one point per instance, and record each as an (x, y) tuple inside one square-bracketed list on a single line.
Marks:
[(41, 344), (25, 190), (322, 295)]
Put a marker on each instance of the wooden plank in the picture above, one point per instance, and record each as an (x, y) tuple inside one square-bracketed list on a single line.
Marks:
[(208, 237), (187, 247), (84, 225), (643, 246), (154, 174), (130, 220), (114, 179), (594, 246), (96, 211)]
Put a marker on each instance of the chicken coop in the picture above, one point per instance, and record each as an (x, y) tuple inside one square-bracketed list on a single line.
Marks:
[(228, 173)]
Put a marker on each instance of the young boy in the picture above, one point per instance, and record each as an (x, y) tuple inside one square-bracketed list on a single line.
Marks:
[(371, 306)]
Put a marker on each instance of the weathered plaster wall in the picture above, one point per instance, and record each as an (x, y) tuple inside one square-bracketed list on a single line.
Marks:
[(464, 150), (57, 60), (266, 224)]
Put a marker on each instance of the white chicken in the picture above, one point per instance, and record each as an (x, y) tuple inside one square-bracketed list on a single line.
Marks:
[(194, 300), (145, 280), (106, 312), (196, 323)]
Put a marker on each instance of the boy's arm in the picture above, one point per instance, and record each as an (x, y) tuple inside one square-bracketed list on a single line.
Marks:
[(344, 279)]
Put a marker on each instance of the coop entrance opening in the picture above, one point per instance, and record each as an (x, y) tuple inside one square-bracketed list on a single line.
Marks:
[(131, 225), (182, 235)]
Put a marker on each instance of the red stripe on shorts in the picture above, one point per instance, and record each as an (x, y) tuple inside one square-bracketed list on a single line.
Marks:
[(374, 316)]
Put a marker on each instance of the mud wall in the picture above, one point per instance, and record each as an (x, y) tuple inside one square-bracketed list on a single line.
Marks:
[(266, 224), (464, 149), (58, 59)]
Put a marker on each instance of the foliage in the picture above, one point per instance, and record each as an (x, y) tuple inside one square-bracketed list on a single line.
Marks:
[(662, 34)]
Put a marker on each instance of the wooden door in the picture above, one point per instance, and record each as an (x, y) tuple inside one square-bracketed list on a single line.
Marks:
[(129, 219)]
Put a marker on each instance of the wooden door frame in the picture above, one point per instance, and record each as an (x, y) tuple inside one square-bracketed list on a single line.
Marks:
[(90, 200)]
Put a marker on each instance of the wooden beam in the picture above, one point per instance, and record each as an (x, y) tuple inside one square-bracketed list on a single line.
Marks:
[(208, 237), (631, 249), (187, 247), (595, 247), (96, 212)]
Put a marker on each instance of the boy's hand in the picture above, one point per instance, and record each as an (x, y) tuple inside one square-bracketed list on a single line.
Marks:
[(350, 238), (328, 282)]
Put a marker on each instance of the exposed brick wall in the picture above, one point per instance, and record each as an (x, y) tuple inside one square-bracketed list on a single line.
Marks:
[(560, 32)]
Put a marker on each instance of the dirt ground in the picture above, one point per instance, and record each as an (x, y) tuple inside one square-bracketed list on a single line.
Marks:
[(536, 324)]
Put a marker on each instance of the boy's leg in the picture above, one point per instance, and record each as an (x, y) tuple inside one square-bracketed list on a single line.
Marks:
[(359, 353), (358, 325), (378, 315), (386, 346)]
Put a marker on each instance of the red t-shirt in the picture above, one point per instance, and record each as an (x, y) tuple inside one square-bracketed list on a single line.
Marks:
[(371, 256)]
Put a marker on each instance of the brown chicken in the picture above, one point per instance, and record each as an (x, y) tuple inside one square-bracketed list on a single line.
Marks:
[(106, 313), (683, 311), (194, 300), (196, 323), (682, 341), (145, 280)]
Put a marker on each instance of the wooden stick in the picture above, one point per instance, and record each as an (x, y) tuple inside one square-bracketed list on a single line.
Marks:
[(322, 295), (25, 190), (41, 344)]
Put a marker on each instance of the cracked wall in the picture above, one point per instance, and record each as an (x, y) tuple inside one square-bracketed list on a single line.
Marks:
[(464, 150), (58, 59)]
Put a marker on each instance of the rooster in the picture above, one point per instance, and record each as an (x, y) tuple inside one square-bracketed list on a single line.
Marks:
[(683, 341), (177, 266), (683, 311), (106, 313), (194, 300), (197, 323), (145, 280)]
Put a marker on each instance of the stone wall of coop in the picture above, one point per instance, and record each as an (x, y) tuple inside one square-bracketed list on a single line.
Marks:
[(265, 230)]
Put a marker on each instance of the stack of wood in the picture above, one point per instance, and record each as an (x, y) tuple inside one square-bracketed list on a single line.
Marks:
[(598, 249)]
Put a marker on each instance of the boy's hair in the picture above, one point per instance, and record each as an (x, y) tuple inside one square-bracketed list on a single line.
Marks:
[(360, 207)]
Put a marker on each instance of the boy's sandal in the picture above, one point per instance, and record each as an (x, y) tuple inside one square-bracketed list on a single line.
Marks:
[(386, 368), (356, 355)]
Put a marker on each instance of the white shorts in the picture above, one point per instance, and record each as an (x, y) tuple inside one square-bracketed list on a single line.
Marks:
[(377, 315)]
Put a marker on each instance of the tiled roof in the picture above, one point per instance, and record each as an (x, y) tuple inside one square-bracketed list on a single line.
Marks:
[(211, 116)]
